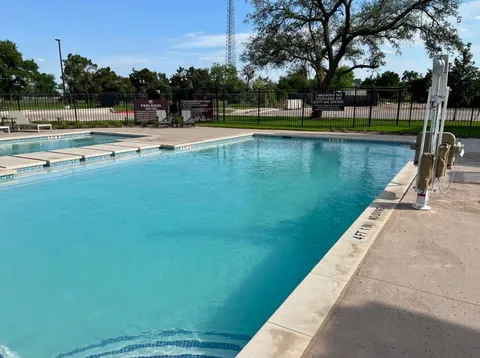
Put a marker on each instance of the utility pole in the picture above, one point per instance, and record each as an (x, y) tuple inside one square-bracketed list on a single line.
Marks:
[(61, 70)]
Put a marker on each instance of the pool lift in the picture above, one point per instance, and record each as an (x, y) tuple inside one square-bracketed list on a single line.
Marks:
[(435, 150)]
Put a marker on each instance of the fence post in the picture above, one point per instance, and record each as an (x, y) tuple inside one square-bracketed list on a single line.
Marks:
[(303, 106), (454, 112), (18, 102), (399, 103), (224, 108), (471, 117), (216, 104), (354, 107), (258, 106), (371, 108), (75, 107), (411, 109), (126, 108)]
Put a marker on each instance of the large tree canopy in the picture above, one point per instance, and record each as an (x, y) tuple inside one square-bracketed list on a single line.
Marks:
[(79, 73), (326, 34), (19, 75)]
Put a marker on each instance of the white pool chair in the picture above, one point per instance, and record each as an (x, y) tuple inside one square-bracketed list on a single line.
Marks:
[(20, 121), (163, 119), (5, 128), (187, 118)]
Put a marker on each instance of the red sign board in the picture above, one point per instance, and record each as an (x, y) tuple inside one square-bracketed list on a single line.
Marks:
[(146, 109)]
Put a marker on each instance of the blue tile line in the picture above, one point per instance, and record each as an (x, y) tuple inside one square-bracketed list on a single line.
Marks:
[(46, 137), (166, 333), (124, 154), (6, 178), (65, 136), (300, 137), (65, 163), (182, 344), (213, 143), (100, 157), (29, 169), (149, 150)]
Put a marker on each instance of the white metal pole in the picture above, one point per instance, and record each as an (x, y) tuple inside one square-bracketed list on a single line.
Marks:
[(422, 143)]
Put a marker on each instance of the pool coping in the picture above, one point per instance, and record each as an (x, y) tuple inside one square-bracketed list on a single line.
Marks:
[(290, 331)]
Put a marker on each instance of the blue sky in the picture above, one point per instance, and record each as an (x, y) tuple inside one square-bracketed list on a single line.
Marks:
[(160, 35)]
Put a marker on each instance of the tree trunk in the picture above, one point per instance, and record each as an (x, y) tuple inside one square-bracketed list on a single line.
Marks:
[(323, 84)]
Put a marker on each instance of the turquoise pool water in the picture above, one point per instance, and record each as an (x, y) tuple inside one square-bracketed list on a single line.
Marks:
[(40, 145), (178, 254)]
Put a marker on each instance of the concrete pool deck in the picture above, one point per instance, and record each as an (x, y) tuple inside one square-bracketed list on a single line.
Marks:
[(409, 285)]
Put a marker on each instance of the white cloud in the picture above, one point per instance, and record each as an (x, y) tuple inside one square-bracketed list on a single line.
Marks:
[(477, 17), (212, 59), (194, 34), (123, 61), (202, 40), (40, 60)]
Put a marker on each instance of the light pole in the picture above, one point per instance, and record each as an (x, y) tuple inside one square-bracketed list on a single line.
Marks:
[(61, 69)]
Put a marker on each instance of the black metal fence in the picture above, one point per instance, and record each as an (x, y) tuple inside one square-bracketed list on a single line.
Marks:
[(364, 107)]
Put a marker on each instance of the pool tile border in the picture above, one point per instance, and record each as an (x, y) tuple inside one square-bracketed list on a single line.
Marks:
[(50, 136), (64, 163), (290, 331)]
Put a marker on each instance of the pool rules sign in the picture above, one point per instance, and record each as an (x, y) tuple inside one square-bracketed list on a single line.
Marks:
[(329, 101), (145, 110)]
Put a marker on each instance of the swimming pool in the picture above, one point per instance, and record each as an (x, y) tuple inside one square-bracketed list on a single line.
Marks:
[(31, 145), (187, 253)]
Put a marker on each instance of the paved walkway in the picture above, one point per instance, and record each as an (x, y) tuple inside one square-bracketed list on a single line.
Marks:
[(417, 293)]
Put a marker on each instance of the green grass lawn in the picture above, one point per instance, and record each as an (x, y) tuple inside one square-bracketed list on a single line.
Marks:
[(460, 129)]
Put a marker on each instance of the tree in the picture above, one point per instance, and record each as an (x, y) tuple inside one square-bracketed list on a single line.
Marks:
[(409, 76), (295, 80), (11, 62), (343, 78), (327, 33), (463, 78), (248, 72), (106, 80), (191, 78), (419, 87), (126, 85), (154, 84), (386, 79), (79, 73), (225, 76), (19, 75), (44, 83)]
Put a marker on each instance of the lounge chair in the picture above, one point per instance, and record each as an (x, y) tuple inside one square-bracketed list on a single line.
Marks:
[(21, 121), (163, 119), (5, 127), (187, 118)]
